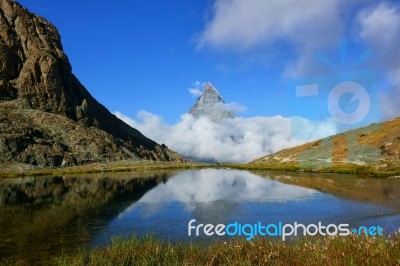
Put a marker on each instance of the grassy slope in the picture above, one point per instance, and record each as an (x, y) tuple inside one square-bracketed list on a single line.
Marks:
[(371, 150)]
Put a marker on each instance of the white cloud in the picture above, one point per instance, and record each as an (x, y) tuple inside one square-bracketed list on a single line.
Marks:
[(390, 100), (198, 84), (195, 92), (306, 26), (234, 107), (383, 21), (242, 25), (231, 140), (197, 89), (380, 28)]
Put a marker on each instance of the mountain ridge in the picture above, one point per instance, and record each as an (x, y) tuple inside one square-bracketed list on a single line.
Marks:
[(376, 145), (48, 118)]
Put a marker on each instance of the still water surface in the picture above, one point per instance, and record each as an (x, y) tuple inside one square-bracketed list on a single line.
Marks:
[(44, 217)]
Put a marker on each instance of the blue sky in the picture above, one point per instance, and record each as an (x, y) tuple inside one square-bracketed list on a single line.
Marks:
[(139, 58), (144, 55), (134, 55)]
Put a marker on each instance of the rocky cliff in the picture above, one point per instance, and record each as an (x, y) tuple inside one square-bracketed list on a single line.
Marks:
[(210, 104), (47, 117)]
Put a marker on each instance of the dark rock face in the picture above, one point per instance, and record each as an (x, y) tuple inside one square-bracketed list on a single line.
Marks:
[(210, 104), (47, 117)]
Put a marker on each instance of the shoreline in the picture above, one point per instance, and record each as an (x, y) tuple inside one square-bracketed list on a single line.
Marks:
[(112, 167), (357, 170), (133, 166)]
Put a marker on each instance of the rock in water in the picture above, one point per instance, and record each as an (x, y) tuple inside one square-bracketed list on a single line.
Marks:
[(47, 117), (210, 104)]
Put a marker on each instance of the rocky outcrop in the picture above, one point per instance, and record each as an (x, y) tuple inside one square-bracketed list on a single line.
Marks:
[(210, 104), (47, 117)]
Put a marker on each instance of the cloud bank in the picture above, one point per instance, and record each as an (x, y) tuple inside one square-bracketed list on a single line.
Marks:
[(238, 140), (301, 26), (242, 25)]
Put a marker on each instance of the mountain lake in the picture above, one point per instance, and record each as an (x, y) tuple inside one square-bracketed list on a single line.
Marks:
[(45, 217)]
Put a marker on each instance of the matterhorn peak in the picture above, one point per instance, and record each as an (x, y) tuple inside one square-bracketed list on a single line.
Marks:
[(210, 104), (209, 88)]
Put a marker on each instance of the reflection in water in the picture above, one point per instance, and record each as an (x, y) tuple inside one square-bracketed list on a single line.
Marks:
[(218, 192), (44, 216), (211, 185), (208, 195), (385, 192), (224, 196)]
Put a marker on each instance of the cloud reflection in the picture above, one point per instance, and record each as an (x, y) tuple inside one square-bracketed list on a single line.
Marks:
[(203, 187)]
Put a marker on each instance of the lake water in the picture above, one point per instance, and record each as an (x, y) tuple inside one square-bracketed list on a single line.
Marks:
[(44, 217)]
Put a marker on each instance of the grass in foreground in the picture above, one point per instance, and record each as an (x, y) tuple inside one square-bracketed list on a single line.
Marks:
[(351, 250)]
